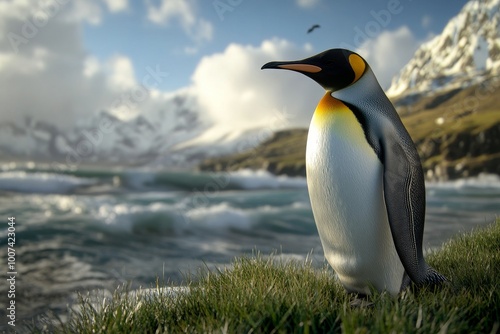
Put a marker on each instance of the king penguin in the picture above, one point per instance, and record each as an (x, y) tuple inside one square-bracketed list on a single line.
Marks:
[(364, 177)]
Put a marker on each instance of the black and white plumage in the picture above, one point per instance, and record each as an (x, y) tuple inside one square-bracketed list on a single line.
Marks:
[(365, 179)]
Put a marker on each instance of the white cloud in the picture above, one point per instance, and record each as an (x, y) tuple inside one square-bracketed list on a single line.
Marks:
[(116, 5), (52, 78), (171, 9), (236, 94), (307, 3), (40, 12), (190, 50), (183, 11), (89, 11), (426, 21), (388, 52), (201, 31), (92, 67), (121, 72), (48, 76)]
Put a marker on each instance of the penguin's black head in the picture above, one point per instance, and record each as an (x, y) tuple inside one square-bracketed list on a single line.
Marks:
[(333, 69)]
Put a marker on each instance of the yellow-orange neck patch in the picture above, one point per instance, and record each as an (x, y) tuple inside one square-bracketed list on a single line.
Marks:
[(327, 107), (358, 66), (329, 104), (333, 118)]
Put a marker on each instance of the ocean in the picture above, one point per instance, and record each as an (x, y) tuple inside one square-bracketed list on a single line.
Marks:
[(100, 228)]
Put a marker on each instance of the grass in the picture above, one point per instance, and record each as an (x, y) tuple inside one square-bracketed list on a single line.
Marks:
[(268, 295)]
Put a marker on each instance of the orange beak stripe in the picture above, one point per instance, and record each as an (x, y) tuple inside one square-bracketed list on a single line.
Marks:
[(301, 67)]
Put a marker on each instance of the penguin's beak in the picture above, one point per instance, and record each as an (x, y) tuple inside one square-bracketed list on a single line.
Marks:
[(298, 66), (332, 69)]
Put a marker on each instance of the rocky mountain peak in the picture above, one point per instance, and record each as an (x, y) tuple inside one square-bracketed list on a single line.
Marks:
[(465, 53)]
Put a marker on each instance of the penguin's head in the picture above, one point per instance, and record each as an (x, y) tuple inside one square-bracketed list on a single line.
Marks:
[(333, 69)]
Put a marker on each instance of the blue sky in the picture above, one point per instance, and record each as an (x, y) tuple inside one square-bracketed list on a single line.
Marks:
[(167, 42), (65, 61)]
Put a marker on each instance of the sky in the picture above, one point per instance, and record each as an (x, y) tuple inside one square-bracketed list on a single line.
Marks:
[(64, 60), (179, 33)]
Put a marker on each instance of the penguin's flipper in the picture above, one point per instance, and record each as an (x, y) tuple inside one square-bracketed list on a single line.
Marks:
[(404, 193), (404, 188)]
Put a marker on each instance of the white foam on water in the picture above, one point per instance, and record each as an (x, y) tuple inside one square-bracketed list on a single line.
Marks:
[(156, 217), (295, 206), (21, 181), (220, 215), (480, 181), (262, 179)]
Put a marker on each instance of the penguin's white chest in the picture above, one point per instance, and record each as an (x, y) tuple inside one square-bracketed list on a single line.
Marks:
[(345, 182)]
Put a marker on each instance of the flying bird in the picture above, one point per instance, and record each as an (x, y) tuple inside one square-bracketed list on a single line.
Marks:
[(310, 30), (364, 177)]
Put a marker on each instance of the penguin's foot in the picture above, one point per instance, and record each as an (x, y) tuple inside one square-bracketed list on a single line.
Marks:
[(361, 301), (432, 282), (434, 278)]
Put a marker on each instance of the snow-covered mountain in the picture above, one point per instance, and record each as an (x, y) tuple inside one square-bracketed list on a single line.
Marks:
[(172, 137), (104, 138), (467, 51)]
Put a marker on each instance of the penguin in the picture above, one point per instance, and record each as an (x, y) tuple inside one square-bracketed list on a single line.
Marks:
[(364, 177)]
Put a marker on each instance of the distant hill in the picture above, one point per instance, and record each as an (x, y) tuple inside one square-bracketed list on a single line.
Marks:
[(283, 153), (457, 132)]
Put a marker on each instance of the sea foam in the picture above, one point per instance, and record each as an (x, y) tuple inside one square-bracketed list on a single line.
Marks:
[(261, 179), (21, 181)]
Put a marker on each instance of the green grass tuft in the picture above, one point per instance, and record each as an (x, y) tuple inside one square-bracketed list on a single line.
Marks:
[(269, 295)]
